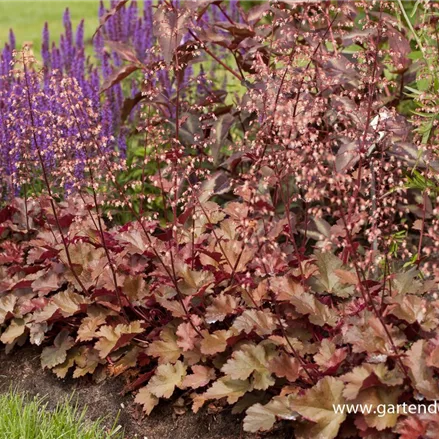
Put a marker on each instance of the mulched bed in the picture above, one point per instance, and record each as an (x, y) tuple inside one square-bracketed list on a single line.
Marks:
[(21, 370)]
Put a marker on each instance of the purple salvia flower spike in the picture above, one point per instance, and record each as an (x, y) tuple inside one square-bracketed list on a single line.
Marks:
[(148, 24), (45, 47), (12, 41), (68, 42), (79, 40)]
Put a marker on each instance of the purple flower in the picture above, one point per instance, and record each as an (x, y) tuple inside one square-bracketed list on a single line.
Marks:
[(234, 12), (67, 42), (80, 36), (45, 52), (66, 69), (11, 39), (148, 24)]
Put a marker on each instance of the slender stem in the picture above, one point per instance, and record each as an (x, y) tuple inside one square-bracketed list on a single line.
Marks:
[(367, 296), (410, 26), (240, 78), (147, 234), (421, 236), (46, 180)]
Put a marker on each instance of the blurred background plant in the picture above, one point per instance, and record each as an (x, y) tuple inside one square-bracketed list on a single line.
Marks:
[(225, 183)]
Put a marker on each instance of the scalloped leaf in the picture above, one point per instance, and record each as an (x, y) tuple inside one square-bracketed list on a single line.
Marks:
[(250, 360), (262, 417), (166, 349), (317, 312), (113, 338), (166, 378), (227, 388), (316, 405), (201, 376), (146, 399), (53, 355), (262, 322)]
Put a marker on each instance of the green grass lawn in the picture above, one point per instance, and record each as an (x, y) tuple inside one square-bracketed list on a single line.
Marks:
[(30, 418), (27, 19)]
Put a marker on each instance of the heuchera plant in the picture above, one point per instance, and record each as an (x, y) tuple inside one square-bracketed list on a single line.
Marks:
[(236, 203)]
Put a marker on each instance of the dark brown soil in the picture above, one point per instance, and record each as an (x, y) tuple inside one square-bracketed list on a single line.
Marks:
[(21, 370)]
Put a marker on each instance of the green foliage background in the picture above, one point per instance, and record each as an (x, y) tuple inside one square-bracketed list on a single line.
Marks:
[(27, 18)]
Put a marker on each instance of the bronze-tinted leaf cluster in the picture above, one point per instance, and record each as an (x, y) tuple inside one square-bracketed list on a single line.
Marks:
[(279, 344), (260, 230)]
